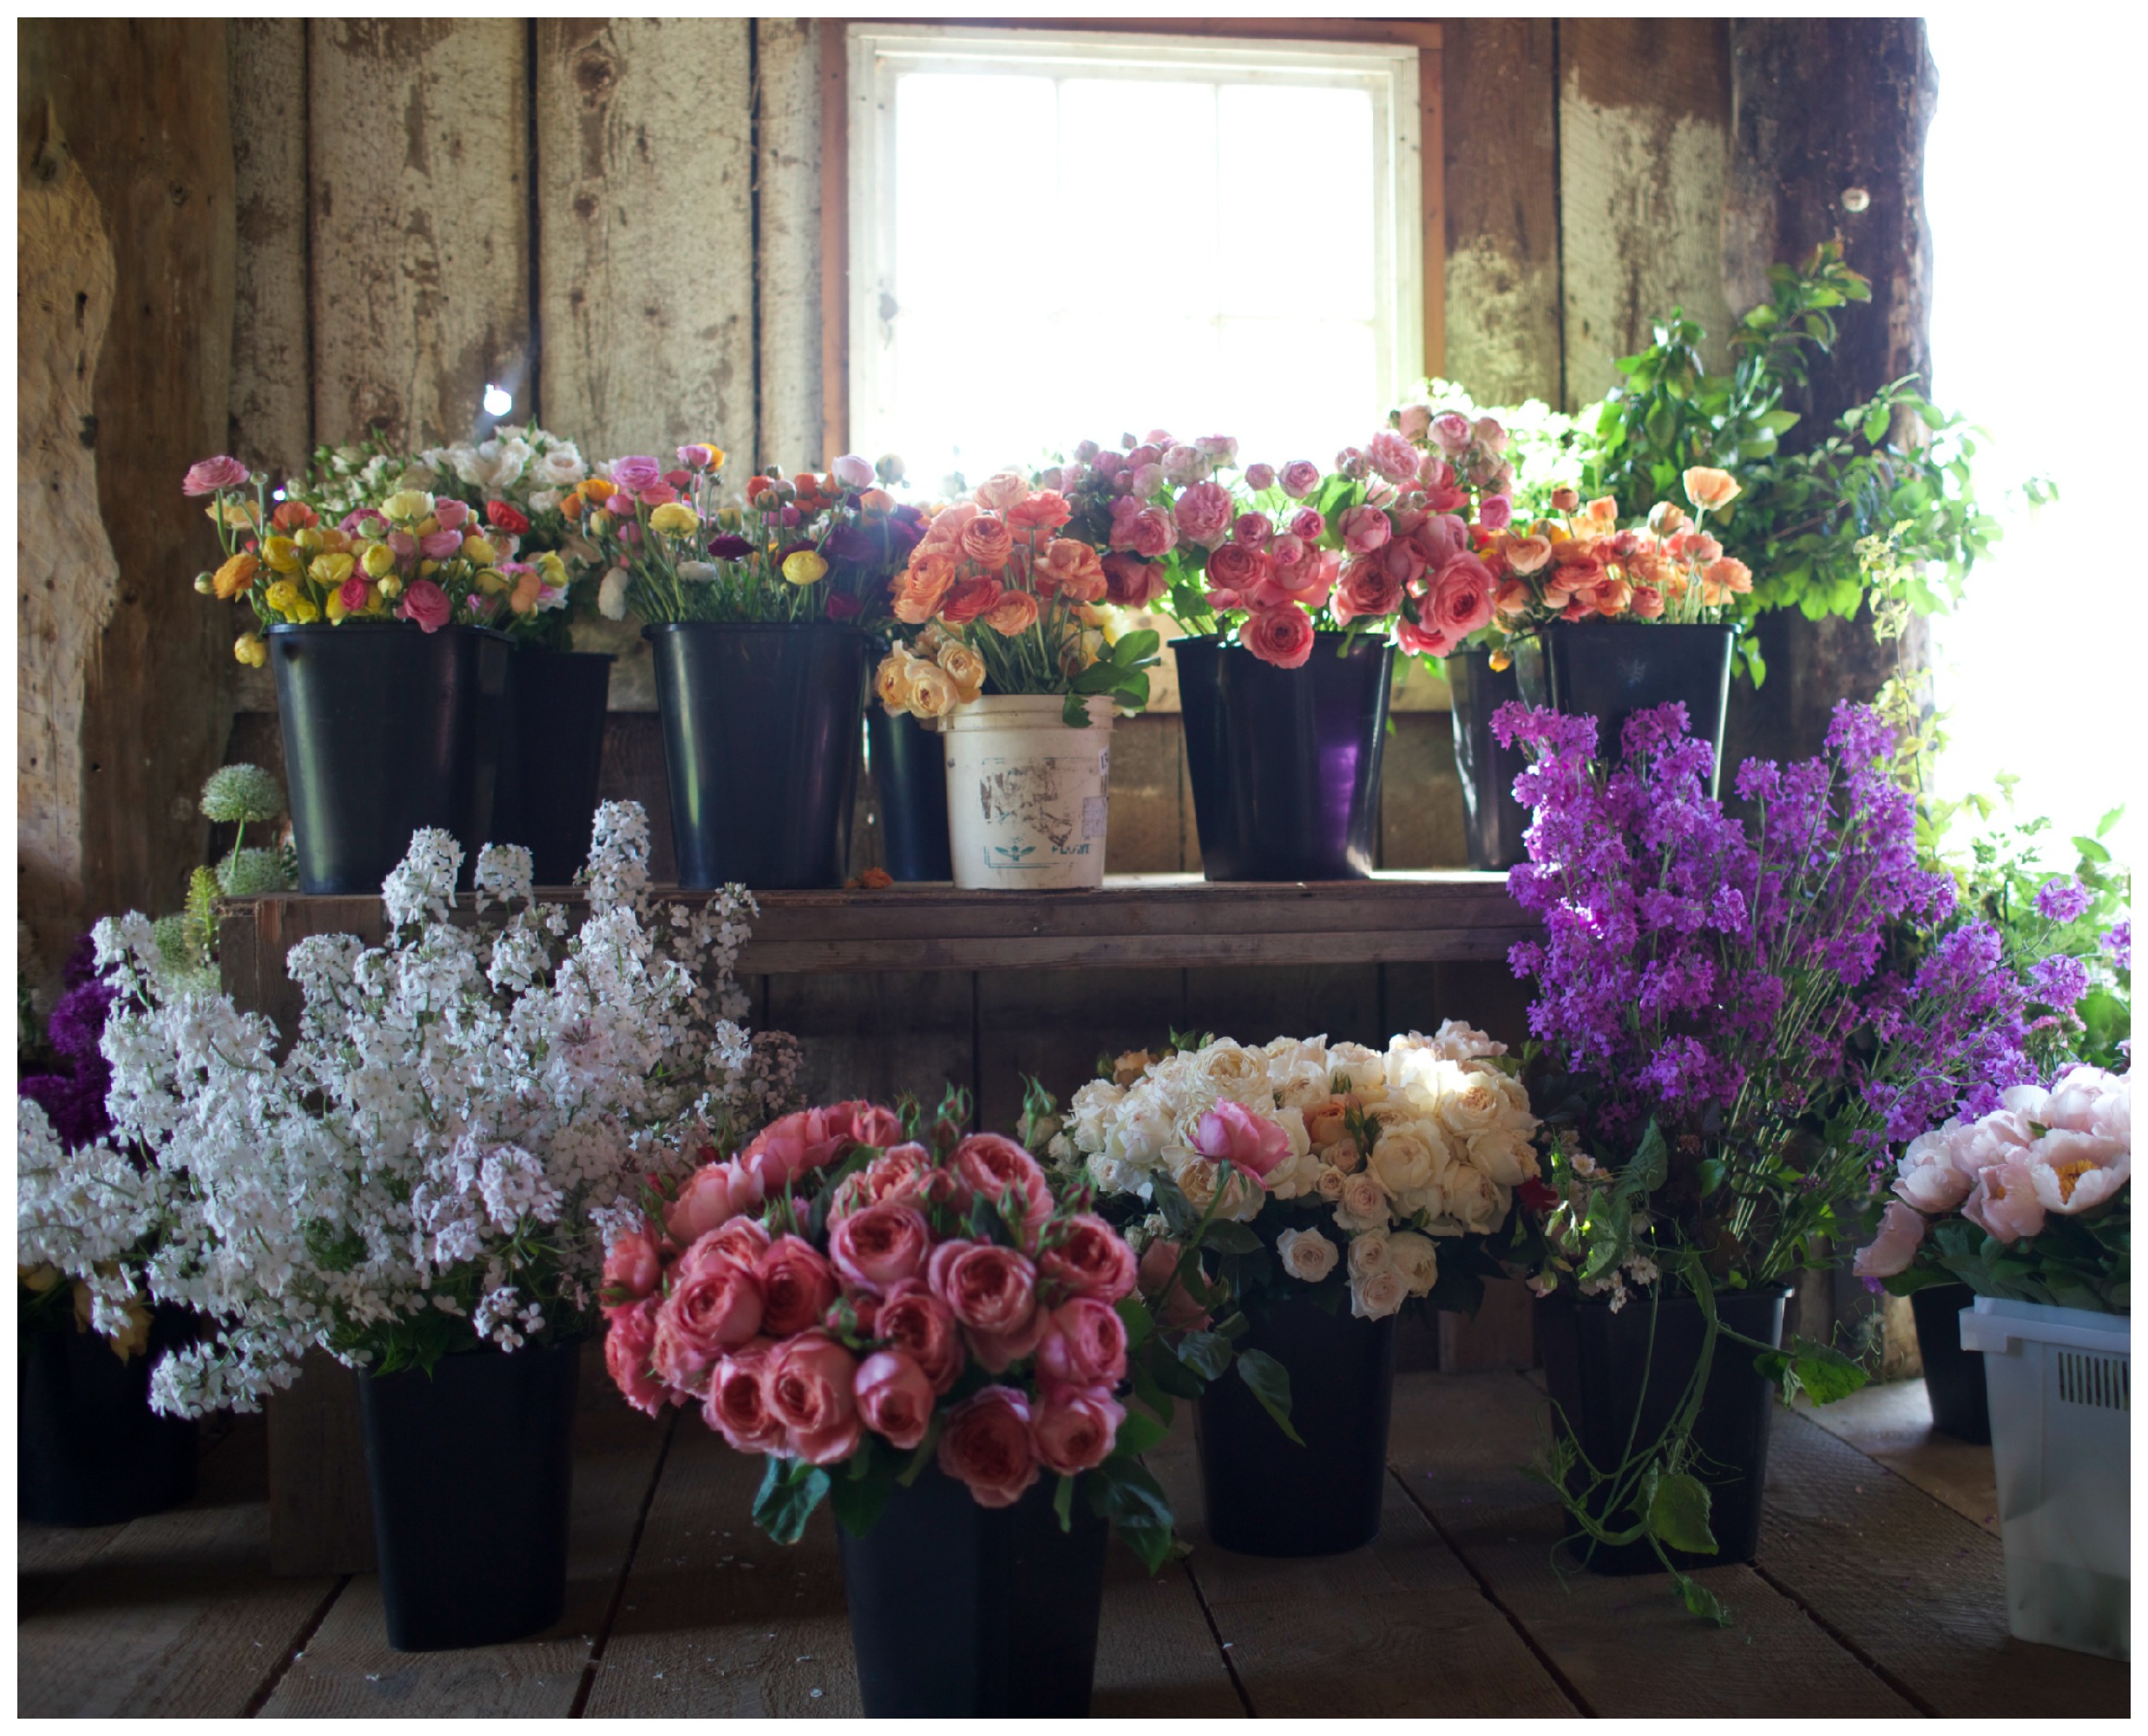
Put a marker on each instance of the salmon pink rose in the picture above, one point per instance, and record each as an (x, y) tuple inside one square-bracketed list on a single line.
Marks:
[(969, 599), (1074, 1431), (987, 1445), (859, 1122), (1418, 641), (1235, 569), (715, 1297), (714, 1194), (996, 494), (1084, 1345), (1146, 531), (736, 1405), (741, 1240), (1364, 528), (1902, 1228), (629, 1345), (1132, 583), (1369, 591), (797, 1284), (1091, 1258), (1281, 636), (1232, 1133), (880, 1246), (788, 1147), (1251, 530), (1202, 514), (895, 1398), (1461, 597), (994, 1164), (1393, 456), (631, 1269), (812, 1382), (914, 1321)]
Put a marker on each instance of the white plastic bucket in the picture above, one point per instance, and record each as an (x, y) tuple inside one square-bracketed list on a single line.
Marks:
[(2060, 1383), (1027, 796)]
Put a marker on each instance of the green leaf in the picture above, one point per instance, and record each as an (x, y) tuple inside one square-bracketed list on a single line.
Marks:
[(2091, 850), (1137, 1435), (1137, 646), (1876, 421), (1207, 1353), (1062, 1502), (1270, 1384), (1712, 1170), (1130, 1495), (1227, 1237), (1649, 1164), (2104, 825), (1702, 1602), (1803, 1366), (1172, 1375), (1146, 1390), (1133, 1314), (1679, 1514), (859, 1502), (1151, 1542), (789, 1493)]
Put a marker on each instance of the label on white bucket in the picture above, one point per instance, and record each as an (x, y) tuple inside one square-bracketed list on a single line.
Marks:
[(1095, 812)]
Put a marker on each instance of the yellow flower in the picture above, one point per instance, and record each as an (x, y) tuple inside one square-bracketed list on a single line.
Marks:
[(804, 568), (282, 596), (329, 570), (595, 488), (964, 668), (239, 514), (474, 547), (251, 649), (378, 560), (407, 505), (282, 554), (554, 571), (390, 587), (235, 576), (674, 518), (490, 582), (309, 539), (306, 610), (336, 610), (37, 1278), (427, 569)]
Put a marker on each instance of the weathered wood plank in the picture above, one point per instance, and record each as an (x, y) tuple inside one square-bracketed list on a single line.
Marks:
[(1053, 1025), (178, 1616), (320, 1509), (1644, 165), (272, 387), (1341, 1002), (418, 131), (786, 59), (1625, 1647), (1891, 1424), (1156, 1656), (877, 1037), (1916, 1587), (348, 1670), (644, 140)]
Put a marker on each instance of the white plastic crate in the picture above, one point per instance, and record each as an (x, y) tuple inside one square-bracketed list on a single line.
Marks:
[(2060, 1381)]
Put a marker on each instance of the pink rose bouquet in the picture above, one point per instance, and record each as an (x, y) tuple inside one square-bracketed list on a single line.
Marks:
[(861, 1296)]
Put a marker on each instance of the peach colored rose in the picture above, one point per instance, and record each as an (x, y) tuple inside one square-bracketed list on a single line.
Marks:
[(1084, 1345), (1461, 597), (988, 542), (914, 1321), (1091, 1258), (1526, 555), (1281, 636), (880, 1246), (629, 1345), (1014, 614), (895, 1398), (736, 1406), (998, 493), (987, 1445), (1075, 1429), (1710, 491), (994, 1164), (811, 1384), (797, 1284), (715, 1305)]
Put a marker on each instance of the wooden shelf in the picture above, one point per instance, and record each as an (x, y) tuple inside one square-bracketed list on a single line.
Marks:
[(1160, 921)]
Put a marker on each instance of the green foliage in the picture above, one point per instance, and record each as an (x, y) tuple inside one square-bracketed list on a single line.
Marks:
[(1121, 675), (789, 1491), (2074, 1262)]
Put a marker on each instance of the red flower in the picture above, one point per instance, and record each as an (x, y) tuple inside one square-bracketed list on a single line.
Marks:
[(505, 518), (1537, 1194)]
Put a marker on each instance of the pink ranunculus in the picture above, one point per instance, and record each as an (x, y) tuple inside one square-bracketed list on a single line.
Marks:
[(986, 1287), (1232, 1132), (631, 476), (880, 1246), (659, 493), (714, 1194), (1450, 433), (1172, 1302), (1074, 1429), (632, 1266), (1392, 455), (452, 514), (629, 1344), (1299, 477), (1364, 528), (1091, 1258), (987, 1445), (210, 475), (440, 545), (353, 593), (425, 603), (2004, 1204), (1281, 636), (1202, 514), (852, 472), (1415, 421), (736, 1405), (403, 545), (1495, 512), (912, 1319), (992, 1165), (1084, 1345), (1902, 1228), (1526, 555), (812, 1382), (1926, 1176), (895, 1398), (1368, 589), (1252, 529), (797, 1283), (1461, 597)]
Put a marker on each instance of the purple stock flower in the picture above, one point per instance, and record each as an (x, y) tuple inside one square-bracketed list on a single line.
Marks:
[(2058, 981), (2061, 900), (2118, 943)]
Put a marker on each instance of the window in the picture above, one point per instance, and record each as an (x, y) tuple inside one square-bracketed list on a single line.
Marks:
[(1064, 235)]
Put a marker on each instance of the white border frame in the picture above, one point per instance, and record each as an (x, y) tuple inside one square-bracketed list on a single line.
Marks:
[(876, 53)]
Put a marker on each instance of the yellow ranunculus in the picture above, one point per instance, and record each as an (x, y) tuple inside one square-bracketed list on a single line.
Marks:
[(553, 571), (282, 596), (282, 554), (235, 576), (491, 582), (390, 587), (427, 569), (425, 526), (251, 649), (476, 547), (378, 560), (329, 570), (306, 610), (336, 610), (308, 539), (804, 568), (407, 505), (674, 518)]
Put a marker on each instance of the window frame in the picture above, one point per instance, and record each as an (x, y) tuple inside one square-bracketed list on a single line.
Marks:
[(1416, 307)]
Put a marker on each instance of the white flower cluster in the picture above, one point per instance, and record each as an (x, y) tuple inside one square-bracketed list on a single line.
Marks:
[(527, 467), (1427, 1140), (458, 1127), (85, 1213)]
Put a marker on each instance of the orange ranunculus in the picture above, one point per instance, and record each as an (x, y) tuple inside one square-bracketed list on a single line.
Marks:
[(523, 600), (335, 542), (758, 485), (923, 585), (875, 501), (1015, 613), (1564, 499), (1611, 595), (1724, 579), (1045, 510), (1647, 603), (1601, 516), (948, 523), (1071, 569), (1710, 491), (1527, 554), (987, 541), (1512, 597), (970, 599), (235, 576), (294, 514), (595, 490), (571, 505)]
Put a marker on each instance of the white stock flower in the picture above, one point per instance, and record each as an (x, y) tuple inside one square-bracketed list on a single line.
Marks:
[(612, 594), (1306, 1254)]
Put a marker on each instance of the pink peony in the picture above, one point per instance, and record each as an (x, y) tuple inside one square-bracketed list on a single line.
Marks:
[(880, 1246), (1091, 1258), (812, 1382), (2004, 1203), (1902, 1228), (1202, 514), (629, 1344), (736, 1405), (1075, 1429), (987, 1445), (1084, 1344), (2072, 1172), (895, 1398), (1232, 1133), (912, 1319), (1281, 636), (1927, 1177), (211, 475), (797, 1283), (425, 603)]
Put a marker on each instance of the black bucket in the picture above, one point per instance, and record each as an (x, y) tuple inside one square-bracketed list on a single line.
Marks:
[(471, 1469), (962, 1611), (910, 773), (1285, 763), (1496, 819), (761, 733), (1593, 1361), (1954, 1378), (88, 1449), (1610, 670), (386, 729), (1267, 1496), (552, 757)]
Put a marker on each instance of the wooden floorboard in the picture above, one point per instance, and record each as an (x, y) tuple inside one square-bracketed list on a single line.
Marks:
[(1892, 1423)]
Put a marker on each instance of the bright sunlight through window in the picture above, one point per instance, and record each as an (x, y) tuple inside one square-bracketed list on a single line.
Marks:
[(1061, 236)]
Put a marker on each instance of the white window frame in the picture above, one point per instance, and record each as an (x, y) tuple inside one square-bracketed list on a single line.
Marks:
[(880, 53)]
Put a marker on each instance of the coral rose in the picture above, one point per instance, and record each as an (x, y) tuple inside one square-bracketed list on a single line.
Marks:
[(1074, 1431), (895, 1398), (632, 1266), (629, 1342), (797, 1284), (1091, 1258), (1015, 613), (736, 1405), (1461, 597), (714, 1194), (993, 1165), (986, 1287), (914, 1321), (1172, 1302), (811, 1384), (1281, 636), (1368, 589), (1710, 491), (987, 1445), (1084, 1345), (880, 1246)]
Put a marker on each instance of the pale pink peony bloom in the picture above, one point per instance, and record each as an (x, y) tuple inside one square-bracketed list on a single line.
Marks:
[(2004, 1203), (1927, 1176), (1901, 1228)]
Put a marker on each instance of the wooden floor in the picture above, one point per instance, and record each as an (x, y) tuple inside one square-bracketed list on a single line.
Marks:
[(1879, 1592)]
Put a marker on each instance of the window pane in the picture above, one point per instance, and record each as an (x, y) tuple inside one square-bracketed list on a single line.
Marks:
[(1298, 168)]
